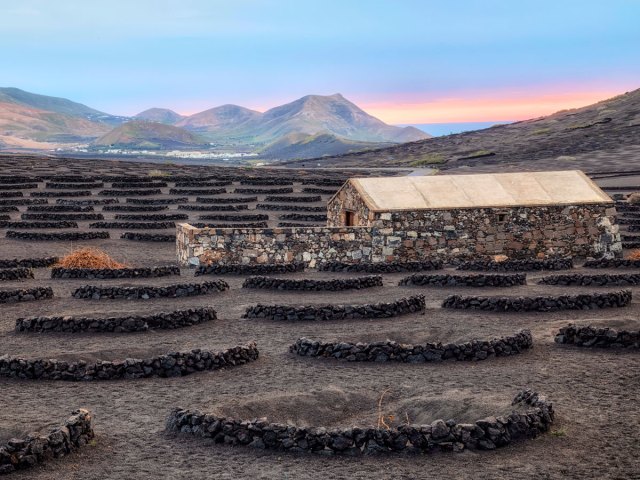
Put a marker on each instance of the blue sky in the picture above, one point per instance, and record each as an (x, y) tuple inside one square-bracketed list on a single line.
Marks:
[(406, 61)]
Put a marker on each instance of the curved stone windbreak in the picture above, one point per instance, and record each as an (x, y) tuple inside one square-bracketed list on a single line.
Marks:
[(25, 294), (518, 265), (134, 225), (157, 201), (324, 182), (265, 181), (227, 200), (334, 285), (146, 292), (605, 280), (73, 186), (158, 217), (29, 262), (62, 216), (256, 217), (22, 453), (23, 201), (130, 323), (290, 208), (100, 273), (64, 193), (213, 208), (263, 191), (30, 225), (139, 184), (480, 280), (4, 218), (396, 308), (249, 269), (173, 364), (57, 235), (18, 273), (22, 186), (199, 191), (389, 351), (196, 183), (60, 208), (100, 201), (322, 191), (303, 199), (601, 337), (612, 263), (382, 267), (136, 192), (134, 208), (229, 225), (587, 301), (485, 434), (7, 209), (148, 237), (293, 224), (304, 217)]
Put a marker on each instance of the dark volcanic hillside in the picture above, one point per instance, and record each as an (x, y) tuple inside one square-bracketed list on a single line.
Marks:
[(582, 138), (160, 115)]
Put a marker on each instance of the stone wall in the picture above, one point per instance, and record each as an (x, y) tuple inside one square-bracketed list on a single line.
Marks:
[(307, 284), (604, 280), (174, 364), (145, 292), (430, 352), (28, 262), (485, 434), (25, 294), (396, 308), (524, 265), (480, 280), (586, 301), (21, 453), (18, 273), (148, 237), (99, 273), (130, 323), (53, 236), (603, 337)]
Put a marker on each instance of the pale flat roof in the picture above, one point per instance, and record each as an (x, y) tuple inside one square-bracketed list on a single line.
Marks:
[(437, 192)]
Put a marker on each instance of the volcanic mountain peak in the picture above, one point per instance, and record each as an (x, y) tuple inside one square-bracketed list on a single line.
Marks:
[(149, 135), (160, 115)]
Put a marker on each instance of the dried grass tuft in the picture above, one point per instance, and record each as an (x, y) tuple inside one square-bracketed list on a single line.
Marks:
[(89, 258), (634, 255)]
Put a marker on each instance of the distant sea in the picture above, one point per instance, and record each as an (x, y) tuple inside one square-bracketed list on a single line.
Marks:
[(439, 129)]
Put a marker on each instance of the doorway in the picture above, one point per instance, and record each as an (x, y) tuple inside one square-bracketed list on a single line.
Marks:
[(349, 218)]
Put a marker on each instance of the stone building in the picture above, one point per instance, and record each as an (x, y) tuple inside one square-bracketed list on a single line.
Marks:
[(517, 214), (448, 217)]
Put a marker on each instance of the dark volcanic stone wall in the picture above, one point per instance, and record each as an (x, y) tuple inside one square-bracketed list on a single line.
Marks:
[(134, 225), (25, 294), (524, 265), (249, 269), (382, 267), (18, 273), (337, 312), (604, 337), (485, 434), (28, 262), (605, 280), (174, 364), (49, 236), (146, 292), (131, 323), (586, 301), (482, 280), (98, 273), (430, 352), (75, 432), (337, 284), (612, 263), (148, 237)]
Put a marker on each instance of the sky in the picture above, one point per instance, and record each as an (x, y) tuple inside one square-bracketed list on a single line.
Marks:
[(404, 61)]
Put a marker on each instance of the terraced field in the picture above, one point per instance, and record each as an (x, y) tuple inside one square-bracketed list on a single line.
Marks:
[(593, 390)]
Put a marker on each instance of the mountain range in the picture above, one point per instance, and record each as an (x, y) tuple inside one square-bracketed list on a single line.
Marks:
[(311, 126)]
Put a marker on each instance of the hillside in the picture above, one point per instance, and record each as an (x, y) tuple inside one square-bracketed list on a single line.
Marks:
[(300, 145), (579, 138), (160, 115), (149, 135)]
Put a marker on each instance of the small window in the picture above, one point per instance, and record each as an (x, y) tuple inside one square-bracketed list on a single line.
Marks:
[(349, 218), (502, 217)]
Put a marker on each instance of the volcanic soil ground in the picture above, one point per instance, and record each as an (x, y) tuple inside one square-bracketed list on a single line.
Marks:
[(596, 433)]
